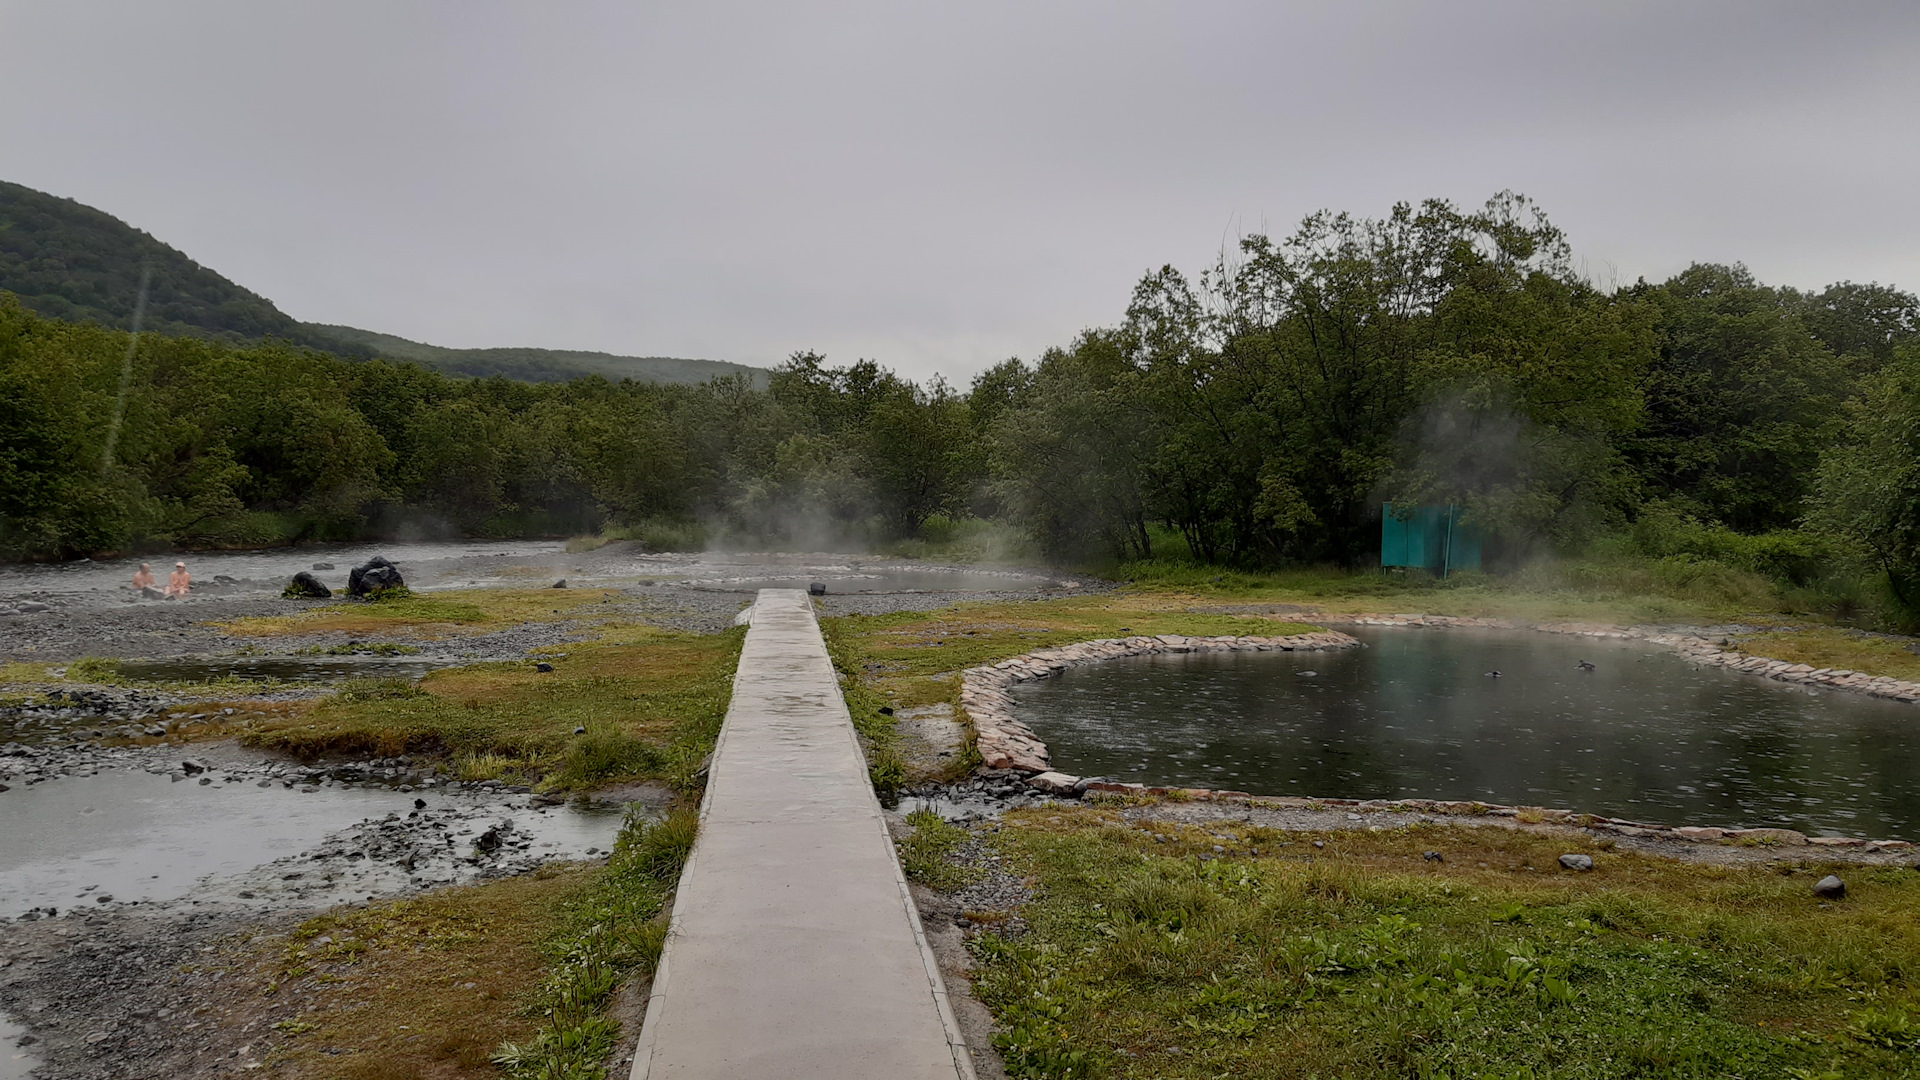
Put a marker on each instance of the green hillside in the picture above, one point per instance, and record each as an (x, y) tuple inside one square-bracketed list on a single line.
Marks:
[(69, 261)]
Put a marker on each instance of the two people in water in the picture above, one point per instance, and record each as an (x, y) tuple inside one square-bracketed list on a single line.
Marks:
[(179, 583)]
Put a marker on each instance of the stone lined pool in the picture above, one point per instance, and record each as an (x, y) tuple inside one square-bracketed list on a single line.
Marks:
[(1416, 714)]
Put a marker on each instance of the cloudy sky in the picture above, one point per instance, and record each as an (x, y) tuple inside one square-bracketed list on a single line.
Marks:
[(934, 186)]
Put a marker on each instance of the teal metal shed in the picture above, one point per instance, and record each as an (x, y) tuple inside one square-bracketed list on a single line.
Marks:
[(1432, 537)]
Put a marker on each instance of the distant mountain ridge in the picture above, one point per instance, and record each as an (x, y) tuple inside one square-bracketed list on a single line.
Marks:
[(537, 365), (69, 261)]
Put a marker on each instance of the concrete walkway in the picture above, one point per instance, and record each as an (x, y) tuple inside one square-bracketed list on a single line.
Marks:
[(795, 951)]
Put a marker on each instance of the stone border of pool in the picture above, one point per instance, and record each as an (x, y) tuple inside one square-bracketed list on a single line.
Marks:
[(1006, 743)]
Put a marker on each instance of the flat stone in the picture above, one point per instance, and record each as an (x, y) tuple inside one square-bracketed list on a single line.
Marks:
[(1054, 783), (1786, 837), (1699, 832), (1835, 841)]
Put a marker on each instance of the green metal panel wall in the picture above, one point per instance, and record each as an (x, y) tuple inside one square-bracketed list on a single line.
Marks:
[(1431, 537)]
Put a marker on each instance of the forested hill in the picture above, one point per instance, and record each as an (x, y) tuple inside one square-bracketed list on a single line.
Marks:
[(539, 365), (70, 261)]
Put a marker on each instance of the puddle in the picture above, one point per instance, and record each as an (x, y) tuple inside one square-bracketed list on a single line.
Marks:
[(132, 835), (15, 1061), (302, 669)]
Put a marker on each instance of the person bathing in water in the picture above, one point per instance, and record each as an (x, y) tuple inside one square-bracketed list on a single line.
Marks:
[(143, 577), (179, 582)]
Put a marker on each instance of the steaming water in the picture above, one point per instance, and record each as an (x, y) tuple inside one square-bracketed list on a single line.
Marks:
[(504, 564), (264, 573), (1645, 736)]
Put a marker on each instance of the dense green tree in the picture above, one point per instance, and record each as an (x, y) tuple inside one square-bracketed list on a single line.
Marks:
[(1869, 485), (1740, 400)]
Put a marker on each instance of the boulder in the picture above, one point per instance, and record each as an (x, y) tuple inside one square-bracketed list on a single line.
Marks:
[(376, 574), (306, 585), (561, 584)]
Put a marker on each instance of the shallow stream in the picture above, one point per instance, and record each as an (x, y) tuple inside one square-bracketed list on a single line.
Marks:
[(1416, 714)]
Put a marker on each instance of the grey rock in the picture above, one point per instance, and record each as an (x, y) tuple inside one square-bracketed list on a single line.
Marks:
[(1433, 856), (1577, 862), (543, 666), (375, 573), (561, 584), (817, 589), (323, 566), (32, 606), (1830, 888), (306, 585)]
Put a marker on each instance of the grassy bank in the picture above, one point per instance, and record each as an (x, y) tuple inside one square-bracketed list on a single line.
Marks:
[(651, 702), (1246, 952), (463, 982), (434, 614)]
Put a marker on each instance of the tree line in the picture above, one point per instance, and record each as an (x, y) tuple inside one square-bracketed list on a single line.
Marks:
[(1258, 412)]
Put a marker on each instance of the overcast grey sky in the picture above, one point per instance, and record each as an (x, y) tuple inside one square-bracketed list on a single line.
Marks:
[(934, 186)]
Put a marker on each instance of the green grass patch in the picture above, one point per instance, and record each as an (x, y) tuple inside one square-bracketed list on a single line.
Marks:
[(651, 705), (1364, 959), (609, 932), (450, 611), (1615, 589), (1833, 647), (926, 856)]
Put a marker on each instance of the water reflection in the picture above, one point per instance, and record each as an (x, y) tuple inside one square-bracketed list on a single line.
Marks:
[(1644, 735)]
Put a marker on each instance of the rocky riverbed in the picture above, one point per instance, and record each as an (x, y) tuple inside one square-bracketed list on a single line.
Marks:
[(191, 859), (106, 981)]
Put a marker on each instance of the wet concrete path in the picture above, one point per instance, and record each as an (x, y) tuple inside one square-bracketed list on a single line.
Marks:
[(795, 951)]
